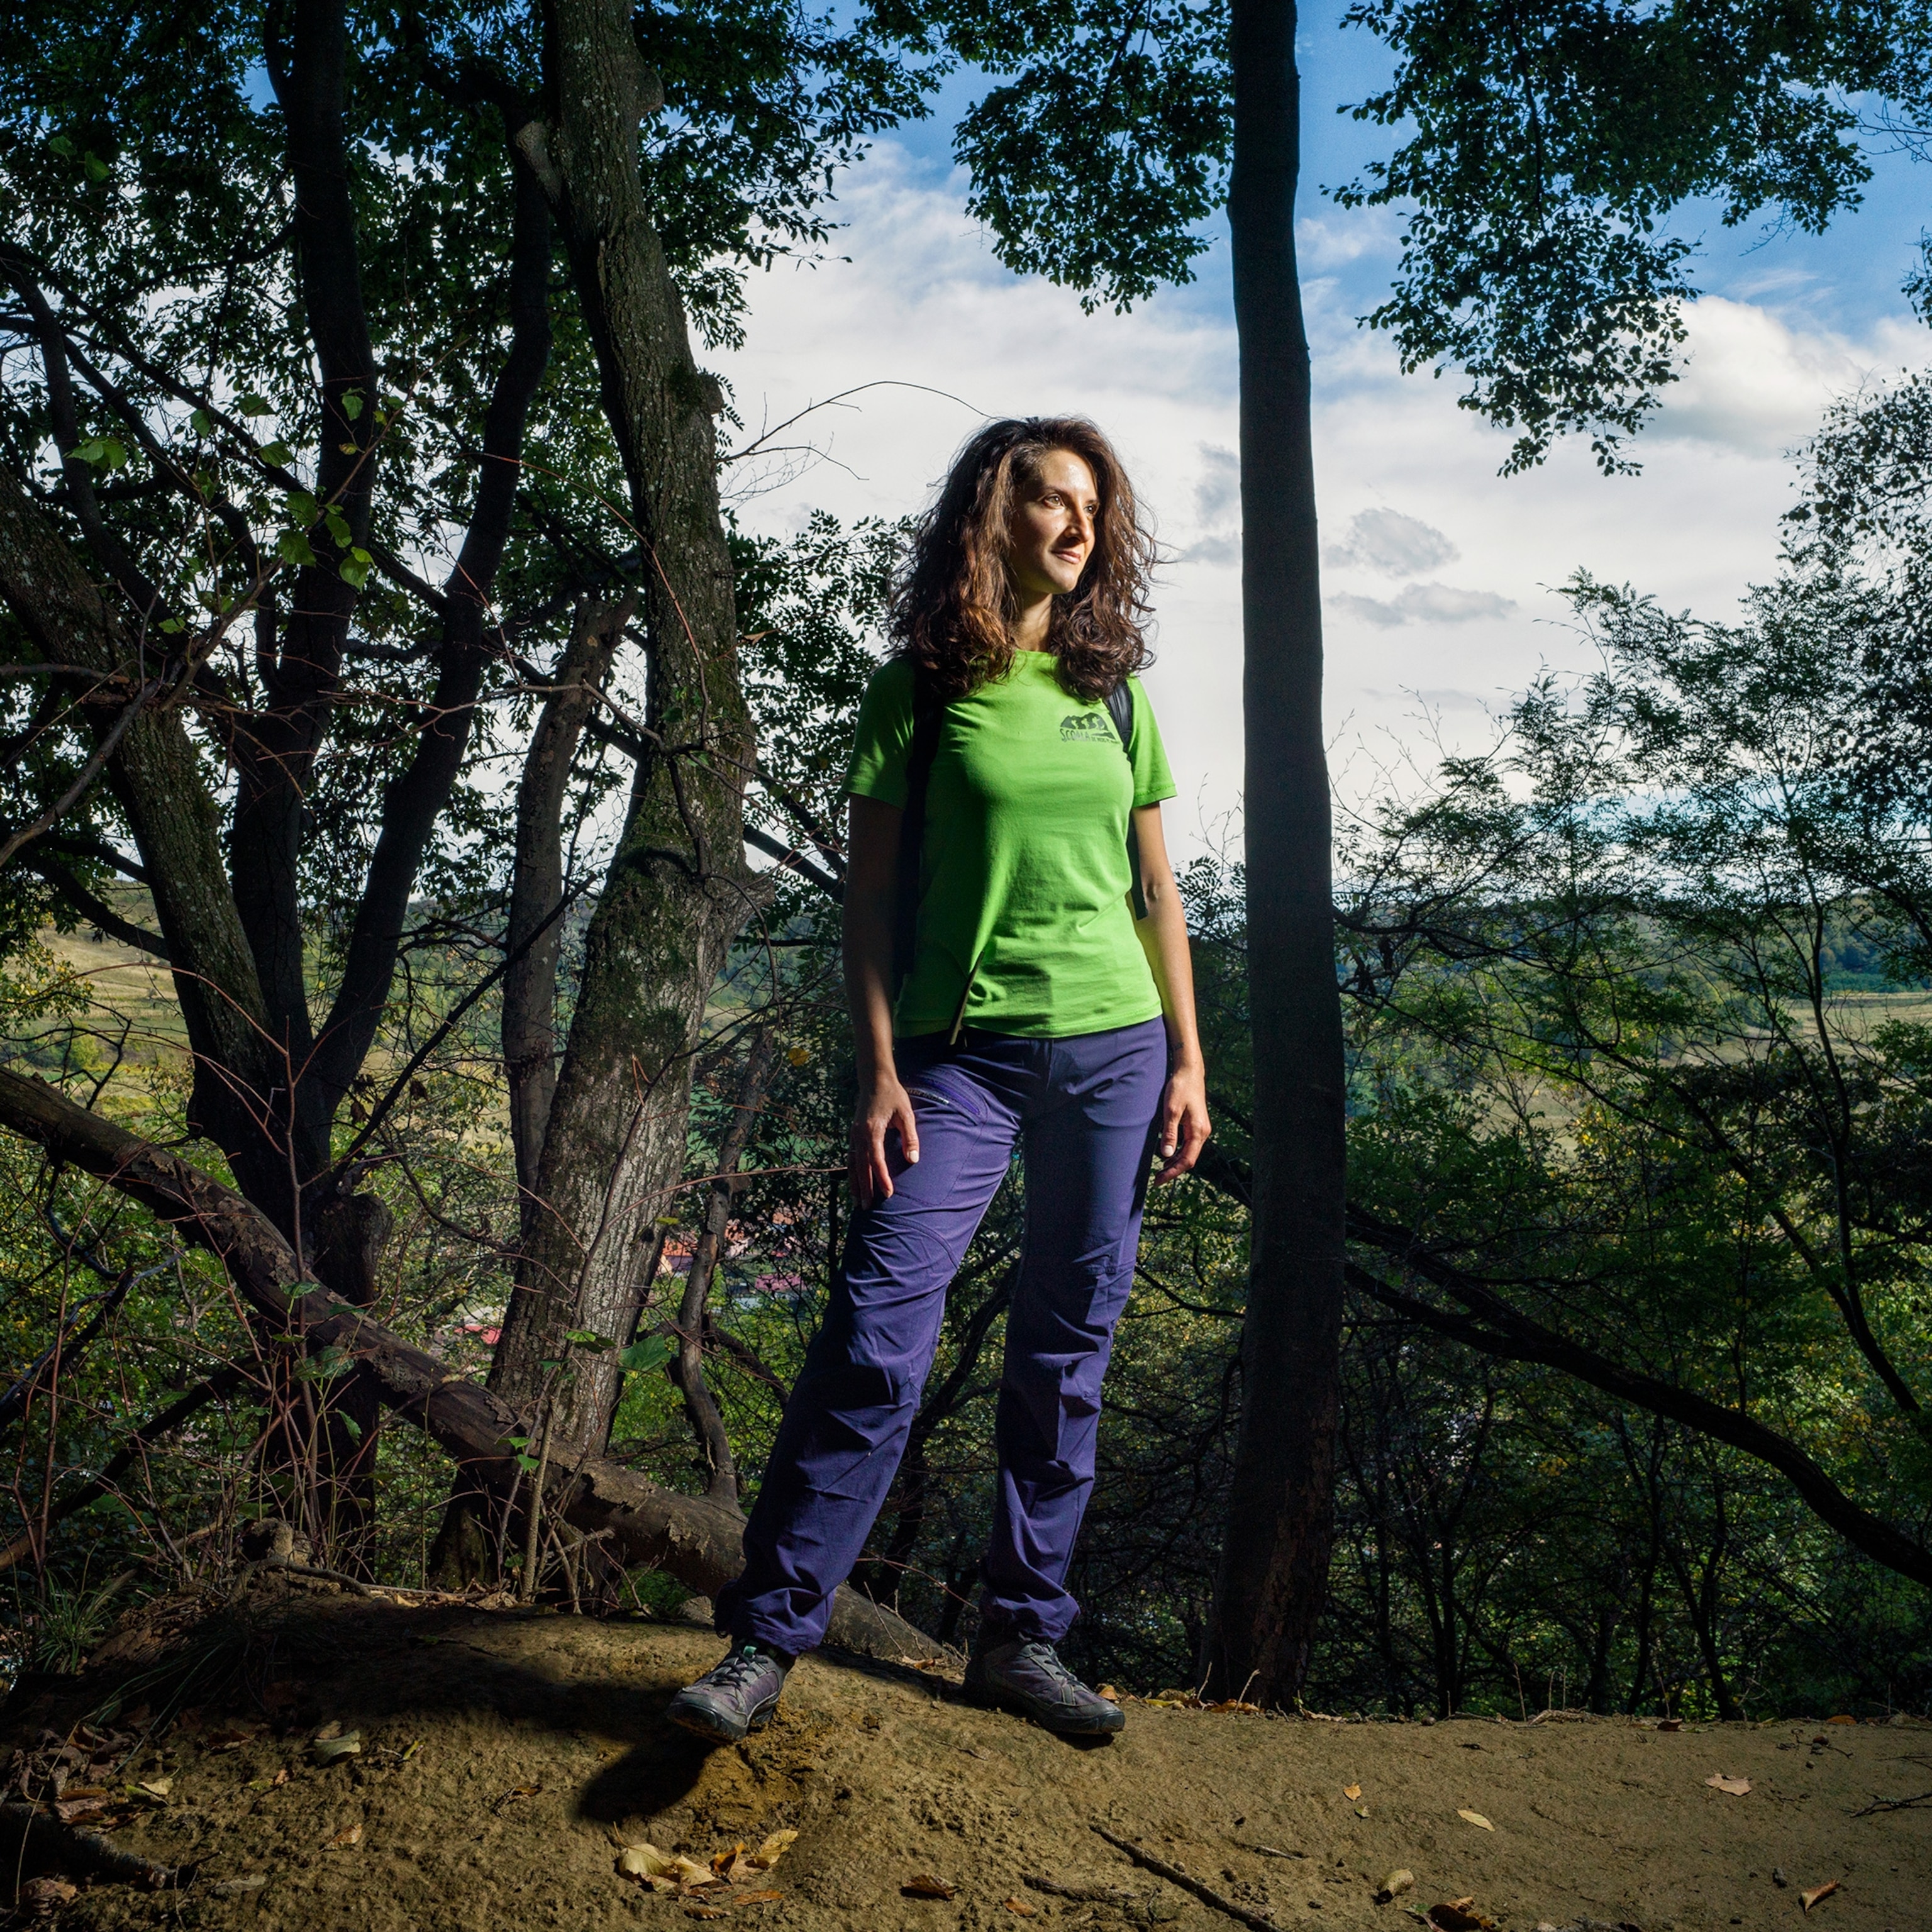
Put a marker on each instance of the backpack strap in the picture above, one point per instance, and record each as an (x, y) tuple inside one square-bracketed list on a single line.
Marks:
[(1121, 709), (928, 714)]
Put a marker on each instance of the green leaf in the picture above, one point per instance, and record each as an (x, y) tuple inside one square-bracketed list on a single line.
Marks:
[(101, 452), (170, 626), (253, 405), (349, 1423), (96, 169), (61, 145), (338, 526), (333, 1361), (279, 454), (353, 570), (292, 547), (303, 507), (640, 1357), (204, 423), (587, 1338), (517, 1441), (352, 403), (529, 1463)]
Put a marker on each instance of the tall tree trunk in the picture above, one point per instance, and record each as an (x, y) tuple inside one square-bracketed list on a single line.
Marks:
[(536, 886), (1274, 1563), (679, 889)]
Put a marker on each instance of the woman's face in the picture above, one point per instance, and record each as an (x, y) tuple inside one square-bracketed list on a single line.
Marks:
[(1050, 536)]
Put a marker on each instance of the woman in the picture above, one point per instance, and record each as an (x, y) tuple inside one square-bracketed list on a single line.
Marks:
[(1047, 1000)]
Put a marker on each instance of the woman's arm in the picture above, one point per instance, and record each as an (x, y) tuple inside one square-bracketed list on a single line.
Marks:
[(872, 889), (1184, 1126)]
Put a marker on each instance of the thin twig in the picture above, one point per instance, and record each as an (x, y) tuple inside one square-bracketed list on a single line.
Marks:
[(102, 753), (1892, 1804), (1174, 1875)]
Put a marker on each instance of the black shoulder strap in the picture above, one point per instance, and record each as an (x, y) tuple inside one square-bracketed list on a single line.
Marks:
[(1120, 708), (928, 714)]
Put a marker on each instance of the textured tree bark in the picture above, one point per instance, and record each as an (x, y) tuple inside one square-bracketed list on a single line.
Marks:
[(1274, 1563), (695, 1540), (536, 885), (679, 889), (274, 756), (442, 725)]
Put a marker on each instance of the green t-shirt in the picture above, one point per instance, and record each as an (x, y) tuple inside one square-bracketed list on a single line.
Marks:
[(1023, 908)]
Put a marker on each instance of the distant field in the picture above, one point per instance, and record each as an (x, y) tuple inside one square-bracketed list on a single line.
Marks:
[(132, 991)]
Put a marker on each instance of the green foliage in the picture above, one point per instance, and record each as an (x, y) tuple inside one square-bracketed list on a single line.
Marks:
[(1097, 160), (68, 1620), (1544, 151)]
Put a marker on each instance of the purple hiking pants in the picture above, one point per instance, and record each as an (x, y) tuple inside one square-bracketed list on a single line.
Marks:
[(1083, 1111)]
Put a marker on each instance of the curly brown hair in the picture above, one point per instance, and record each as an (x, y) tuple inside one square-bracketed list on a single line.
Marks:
[(953, 606)]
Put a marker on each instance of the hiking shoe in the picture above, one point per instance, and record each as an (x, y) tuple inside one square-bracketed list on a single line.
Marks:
[(1030, 1678), (740, 1695)]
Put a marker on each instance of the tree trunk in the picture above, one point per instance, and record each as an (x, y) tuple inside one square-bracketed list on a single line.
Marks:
[(679, 889), (693, 1539), (700, 1405), (536, 886), (1274, 1563)]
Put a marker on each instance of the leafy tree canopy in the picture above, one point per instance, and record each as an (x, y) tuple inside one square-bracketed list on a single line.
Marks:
[(1544, 150)]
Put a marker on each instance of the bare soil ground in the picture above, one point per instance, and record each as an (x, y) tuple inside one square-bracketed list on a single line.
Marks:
[(507, 1757)]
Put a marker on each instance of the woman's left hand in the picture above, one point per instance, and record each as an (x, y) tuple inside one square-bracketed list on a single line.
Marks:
[(1184, 1126)]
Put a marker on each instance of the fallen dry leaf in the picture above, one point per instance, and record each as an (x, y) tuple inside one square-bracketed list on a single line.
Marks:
[(349, 1835), (43, 1896), (72, 1810), (1736, 1786), (1808, 1899), (1670, 1723), (1112, 1697), (1024, 1910), (703, 1911), (1351, 1791), (155, 1790), (227, 1741), (333, 1729), (332, 1751), (644, 1861), (765, 1898), (1841, 1720), (1394, 1885), (923, 1885), (772, 1850), (1476, 1818), (1361, 1811), (1459, 1914)]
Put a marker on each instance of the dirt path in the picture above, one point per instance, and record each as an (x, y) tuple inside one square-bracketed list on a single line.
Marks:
[(540, 1747)]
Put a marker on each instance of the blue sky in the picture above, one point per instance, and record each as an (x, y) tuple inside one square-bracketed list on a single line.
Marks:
[(1439, 575)]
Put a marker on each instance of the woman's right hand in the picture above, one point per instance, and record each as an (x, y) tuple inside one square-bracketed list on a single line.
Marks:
[(883, 1106)]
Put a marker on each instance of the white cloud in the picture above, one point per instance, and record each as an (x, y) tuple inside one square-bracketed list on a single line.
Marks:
[(1218, 494), (922, 301), (1395, 545), (1424, 603), (1752, 382)]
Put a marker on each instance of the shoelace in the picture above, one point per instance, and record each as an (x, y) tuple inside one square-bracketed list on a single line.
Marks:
[(1047, 1659), (738, 1667)]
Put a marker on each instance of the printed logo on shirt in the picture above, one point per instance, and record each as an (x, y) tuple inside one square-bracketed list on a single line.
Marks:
[(1076, 725)]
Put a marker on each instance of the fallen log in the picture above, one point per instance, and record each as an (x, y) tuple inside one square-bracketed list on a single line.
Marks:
[(34, 1840), (698, 1542)]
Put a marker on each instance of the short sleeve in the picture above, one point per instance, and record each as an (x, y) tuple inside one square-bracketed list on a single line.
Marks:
[(884, 738), (1153, 781)]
